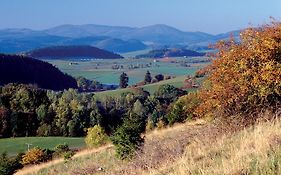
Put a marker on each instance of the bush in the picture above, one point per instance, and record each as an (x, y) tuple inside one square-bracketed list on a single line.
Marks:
[(33, 156), (159, 77), (127, 138), (189, 103), (168, 93), (96, 137), (67, 155), (245, 77), (63, 150), (149, 125), (184, 108), (161, 124), (176, 115), (8, 166)]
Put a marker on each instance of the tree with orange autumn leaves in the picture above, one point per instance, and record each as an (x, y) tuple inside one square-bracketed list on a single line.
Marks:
[(245, 76)]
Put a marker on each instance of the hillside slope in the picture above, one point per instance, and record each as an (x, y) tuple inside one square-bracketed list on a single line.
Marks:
[(72, 52), (174, 52), (120, 46), (161, 148), (197, 147), (255, 150), (26, 70)]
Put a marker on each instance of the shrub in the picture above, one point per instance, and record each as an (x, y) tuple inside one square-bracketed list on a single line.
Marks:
[(168, 93), (67, 155), (33, 156), (8, 166), (60, 149), (159, 77), (149, 125), (161, 124), (176, 115), (245, 77), (63, 150), (127, 138), (48, 153), (184, 108), (96, 136)]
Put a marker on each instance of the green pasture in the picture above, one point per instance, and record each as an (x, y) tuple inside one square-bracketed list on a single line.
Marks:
[(101, 69), (13, 146), (151, 88)]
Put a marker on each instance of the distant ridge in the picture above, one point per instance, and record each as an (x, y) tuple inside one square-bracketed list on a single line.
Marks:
[(117, 39), (72, 52)]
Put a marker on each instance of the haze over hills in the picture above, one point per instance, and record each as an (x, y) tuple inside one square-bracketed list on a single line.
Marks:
[(112, 38)]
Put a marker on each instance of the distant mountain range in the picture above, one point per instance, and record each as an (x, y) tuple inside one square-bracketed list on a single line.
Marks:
[(112, 38), (74, 52)]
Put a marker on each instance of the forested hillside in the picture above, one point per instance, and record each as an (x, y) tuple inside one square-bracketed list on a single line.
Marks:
[(161, 53), (26, 70), (72, 52)]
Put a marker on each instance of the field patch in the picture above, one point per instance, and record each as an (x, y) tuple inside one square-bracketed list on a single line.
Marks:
[(13, 146)]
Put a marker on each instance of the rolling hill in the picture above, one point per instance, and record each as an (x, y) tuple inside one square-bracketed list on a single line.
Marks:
[(26, 70), (120, 46), (72, 52), (174, 52)]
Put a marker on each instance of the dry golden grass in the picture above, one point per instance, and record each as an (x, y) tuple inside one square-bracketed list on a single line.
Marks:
[(255, 150), (162, 147), (34, 169), (197, 147)]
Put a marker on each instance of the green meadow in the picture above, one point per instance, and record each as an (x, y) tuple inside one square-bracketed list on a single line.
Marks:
[(13, 146), (101, 69)]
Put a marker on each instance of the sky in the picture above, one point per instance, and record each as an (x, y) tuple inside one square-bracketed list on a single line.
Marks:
[(211, 16)]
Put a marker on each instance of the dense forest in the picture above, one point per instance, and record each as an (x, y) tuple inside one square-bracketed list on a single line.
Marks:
[(161, 53), (26, 70), (72, 52), (29, 111)]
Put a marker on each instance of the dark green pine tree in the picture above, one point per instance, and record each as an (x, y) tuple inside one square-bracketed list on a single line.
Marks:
[(124, 79), (147, 78)]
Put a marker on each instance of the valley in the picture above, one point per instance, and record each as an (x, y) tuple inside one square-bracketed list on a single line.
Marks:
[(108, 71), (140, 87)]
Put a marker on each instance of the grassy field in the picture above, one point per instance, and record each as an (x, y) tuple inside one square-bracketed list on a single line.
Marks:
[(101, 70), (13, 146), (151, 88)]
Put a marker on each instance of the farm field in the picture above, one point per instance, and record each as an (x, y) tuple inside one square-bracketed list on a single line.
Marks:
[(101, 70), (151, 88), (13, 146)]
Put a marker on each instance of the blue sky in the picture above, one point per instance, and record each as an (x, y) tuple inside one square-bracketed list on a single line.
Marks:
[(212, 16)]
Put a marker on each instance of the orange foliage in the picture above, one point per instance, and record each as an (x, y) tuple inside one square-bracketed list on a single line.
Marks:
[(33, 156), (245, 76)]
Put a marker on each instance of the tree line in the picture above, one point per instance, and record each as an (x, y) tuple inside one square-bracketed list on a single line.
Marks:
[(26, 110)]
